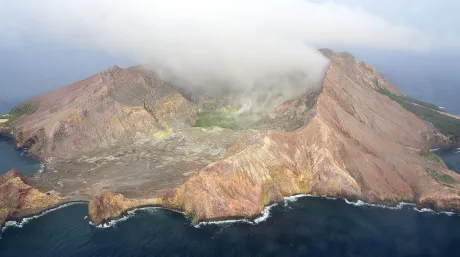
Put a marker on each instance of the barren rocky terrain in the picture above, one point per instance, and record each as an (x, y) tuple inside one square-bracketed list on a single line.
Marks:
[(18, 198), (125, 131)]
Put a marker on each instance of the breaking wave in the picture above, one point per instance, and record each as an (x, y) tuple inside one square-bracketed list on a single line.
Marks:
[(222, 222), (399, 206), (111, 223), (265, 214), (294, 198), (42, 168), (437, 149), (23, 221), (129, 214), (448, 213)]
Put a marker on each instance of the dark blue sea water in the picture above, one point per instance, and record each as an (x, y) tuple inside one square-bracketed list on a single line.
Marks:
[(307, 227), (10, 158), (451, 158), (300, 227)]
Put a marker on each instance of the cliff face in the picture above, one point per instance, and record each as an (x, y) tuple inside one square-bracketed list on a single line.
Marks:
[(346, 139), (115, 107), (19, 198), (360, 72), (107, 206), (358, 144)]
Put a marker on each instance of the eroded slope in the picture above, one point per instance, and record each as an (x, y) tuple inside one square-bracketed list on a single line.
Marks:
[(359, 144), (126, 131), (116, 107), (18, 198)]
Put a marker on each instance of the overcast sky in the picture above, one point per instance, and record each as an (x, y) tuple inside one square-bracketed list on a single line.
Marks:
[(49, 43)]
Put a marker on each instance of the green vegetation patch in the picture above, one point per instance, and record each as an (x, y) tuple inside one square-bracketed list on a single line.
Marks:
[(209, 119), (21, 110), (440, 177), (428, 112), (17, 112), (430, 155)]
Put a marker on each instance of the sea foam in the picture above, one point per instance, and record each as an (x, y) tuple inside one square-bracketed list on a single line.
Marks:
[(23, 221), (129, 214), (399, 206), (360, 203), (222, 222), (294, 198), (42, 168), (265, 214)]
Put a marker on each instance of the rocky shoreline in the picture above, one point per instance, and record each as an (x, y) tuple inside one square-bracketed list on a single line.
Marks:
[(345, 140), (98, 222), (18, 198), (20, 218), (108, 207)]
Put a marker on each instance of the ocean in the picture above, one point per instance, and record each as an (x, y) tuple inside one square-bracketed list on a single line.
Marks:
[(10, 158), (302, 226)]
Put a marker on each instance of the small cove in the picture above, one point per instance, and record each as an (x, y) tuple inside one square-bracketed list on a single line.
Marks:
[(305, 226), (10, 158)]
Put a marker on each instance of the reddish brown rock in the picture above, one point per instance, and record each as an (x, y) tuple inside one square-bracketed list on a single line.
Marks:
[(18, 198), (112, 108), (108, 206), (360, 71), (357, 144), (345, 139)]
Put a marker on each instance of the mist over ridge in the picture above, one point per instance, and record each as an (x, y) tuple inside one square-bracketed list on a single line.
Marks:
[(251, 47)]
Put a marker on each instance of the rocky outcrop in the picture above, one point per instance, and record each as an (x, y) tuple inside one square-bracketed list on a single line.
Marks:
[(108, 206), (5, 131), (345, 139), (359, 144), (18, 198), (115, 107), (360, 71)]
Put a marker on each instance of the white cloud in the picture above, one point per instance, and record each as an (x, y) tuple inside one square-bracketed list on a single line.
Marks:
[(235, 41)]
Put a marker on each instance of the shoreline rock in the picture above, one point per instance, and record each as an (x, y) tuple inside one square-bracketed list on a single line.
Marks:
[(108, 206), (346, 140), (390, 203), (96, 220), (18, 198), (358, 144)]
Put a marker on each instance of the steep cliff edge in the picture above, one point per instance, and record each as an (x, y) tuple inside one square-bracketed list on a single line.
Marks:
[(118, 106), (18, 198), (359, 144), (126, 131), (346, 139), (106, 206)]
